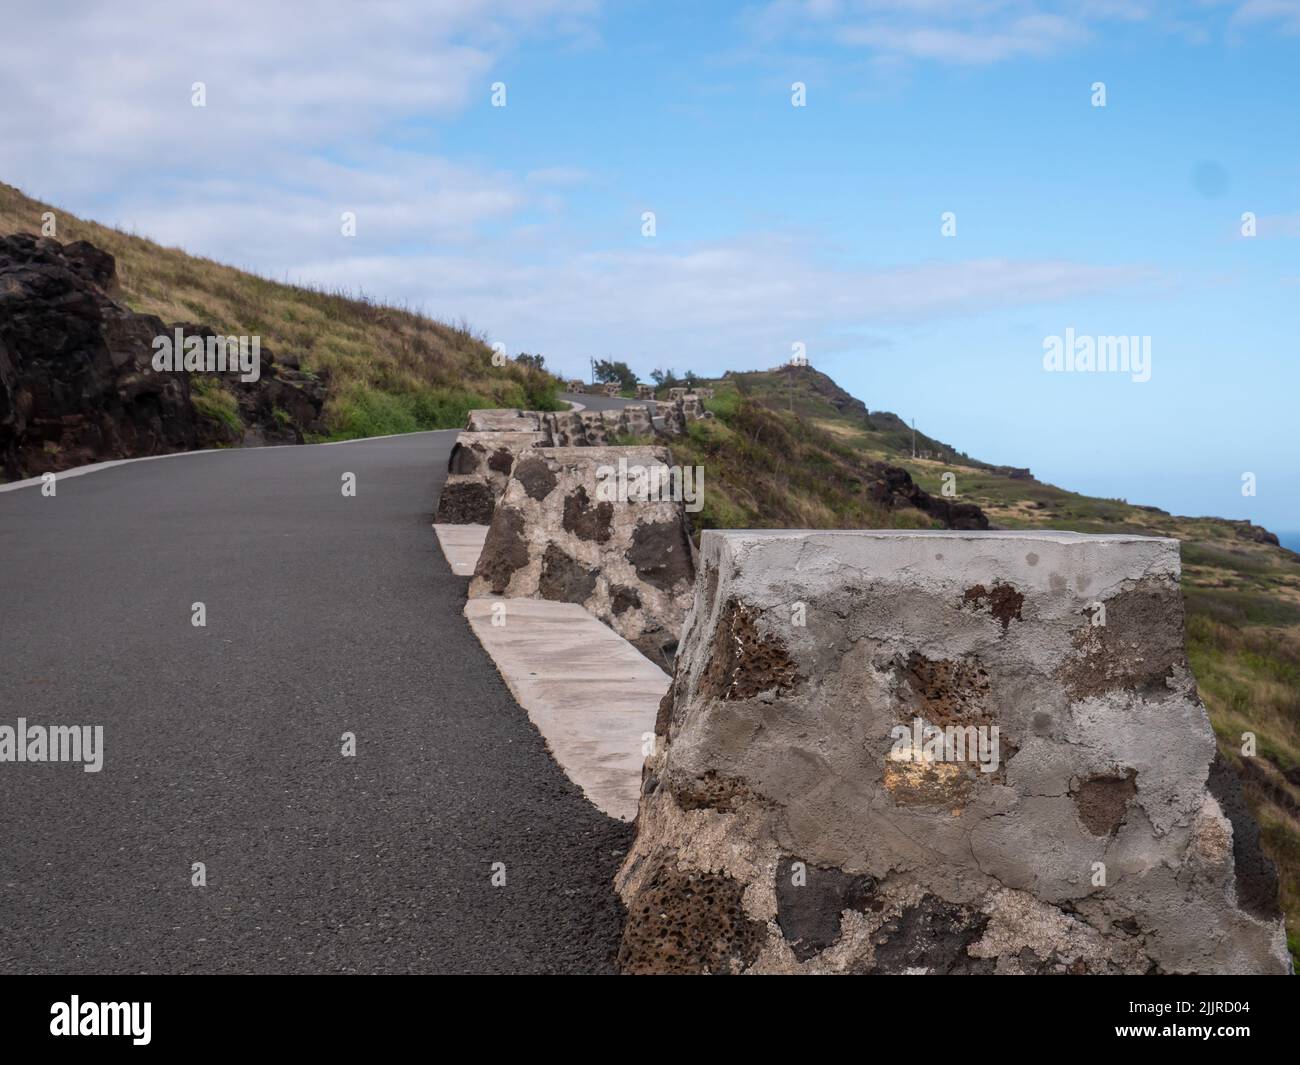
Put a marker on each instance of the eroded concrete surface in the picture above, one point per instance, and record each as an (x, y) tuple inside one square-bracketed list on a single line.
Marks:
[(784, 826)]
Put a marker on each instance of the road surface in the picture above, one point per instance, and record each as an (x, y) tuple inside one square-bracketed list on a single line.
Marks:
[(222, 744)]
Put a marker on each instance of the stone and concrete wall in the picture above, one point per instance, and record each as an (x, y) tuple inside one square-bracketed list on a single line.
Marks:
[(478, 470), (484, 454), (681, 411), (912, 752), (596, 428), (562, 532), (636, 421)]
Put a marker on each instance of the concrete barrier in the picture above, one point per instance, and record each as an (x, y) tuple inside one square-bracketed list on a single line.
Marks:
[(478, 470), (564, 531), (636, 421), (597, 428), (906, 752), (504, 420), (681, 411)]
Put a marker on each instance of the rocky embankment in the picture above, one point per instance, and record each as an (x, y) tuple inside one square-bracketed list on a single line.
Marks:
[(77, 377)]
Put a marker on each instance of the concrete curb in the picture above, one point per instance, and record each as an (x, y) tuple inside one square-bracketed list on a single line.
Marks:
[(592, 695), (461, 545)]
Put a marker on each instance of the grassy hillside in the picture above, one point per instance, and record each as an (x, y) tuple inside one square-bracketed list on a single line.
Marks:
[(789, 449), (388, 370)]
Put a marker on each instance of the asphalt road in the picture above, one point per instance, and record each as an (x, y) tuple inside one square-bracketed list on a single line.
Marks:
[(594, 402), (325, 615)]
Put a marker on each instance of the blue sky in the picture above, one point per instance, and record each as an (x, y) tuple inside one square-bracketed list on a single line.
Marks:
[(774, 224)]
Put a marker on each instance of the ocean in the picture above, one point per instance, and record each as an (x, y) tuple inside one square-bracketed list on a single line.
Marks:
[(1290, 539)]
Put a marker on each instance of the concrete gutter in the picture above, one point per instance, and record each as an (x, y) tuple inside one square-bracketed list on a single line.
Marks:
[(592, 695), (461, 545)]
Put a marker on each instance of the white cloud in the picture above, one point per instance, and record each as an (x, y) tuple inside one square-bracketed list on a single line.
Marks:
[(1035, 35), (98, 96), (299, 127), (1280, 15), (715, 306), (972, 32)]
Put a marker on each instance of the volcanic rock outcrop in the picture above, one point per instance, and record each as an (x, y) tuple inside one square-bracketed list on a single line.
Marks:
[(935, 752), (582, 525), (893, 487), (77, 383)]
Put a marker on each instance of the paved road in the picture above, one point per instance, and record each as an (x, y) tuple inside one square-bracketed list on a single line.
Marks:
[(325, 615), (594, 402)]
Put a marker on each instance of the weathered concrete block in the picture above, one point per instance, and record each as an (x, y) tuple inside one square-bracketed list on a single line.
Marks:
[(942, 752), (692, 407), (565, 531), (636, 421), (645, 391), (680, 411), (598, 426), (566, 428), (478, 470), (504, 420), (577, 387)]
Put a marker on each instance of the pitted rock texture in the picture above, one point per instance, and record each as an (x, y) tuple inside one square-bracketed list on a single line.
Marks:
[(690, 923), (478, 470), (563, 530), (828, 747)]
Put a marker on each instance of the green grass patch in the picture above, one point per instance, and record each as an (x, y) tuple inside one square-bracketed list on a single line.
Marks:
[(211, 400)]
